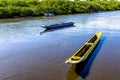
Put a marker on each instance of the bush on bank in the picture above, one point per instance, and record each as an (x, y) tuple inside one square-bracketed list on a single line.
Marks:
[(23, 8)]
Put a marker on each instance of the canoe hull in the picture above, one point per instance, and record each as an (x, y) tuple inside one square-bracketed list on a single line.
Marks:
[(85, 50), (59, 25)]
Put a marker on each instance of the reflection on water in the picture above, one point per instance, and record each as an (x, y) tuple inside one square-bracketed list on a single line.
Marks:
[(71, 74), (88, 23), (23, 50), (81, 71), (51, 30)]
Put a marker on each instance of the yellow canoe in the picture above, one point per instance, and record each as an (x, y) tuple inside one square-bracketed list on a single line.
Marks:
[(85, 50)]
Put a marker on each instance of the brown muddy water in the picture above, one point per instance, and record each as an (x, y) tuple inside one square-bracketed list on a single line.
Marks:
[(29, 52)]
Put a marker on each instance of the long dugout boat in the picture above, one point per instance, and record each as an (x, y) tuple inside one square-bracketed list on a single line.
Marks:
[(59, 25), (85, 50)]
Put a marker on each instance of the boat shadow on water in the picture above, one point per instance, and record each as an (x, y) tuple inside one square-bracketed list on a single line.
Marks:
[(51, 30), (82, 69)]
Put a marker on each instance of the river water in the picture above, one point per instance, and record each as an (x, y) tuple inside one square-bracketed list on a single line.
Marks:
[(29, 52)]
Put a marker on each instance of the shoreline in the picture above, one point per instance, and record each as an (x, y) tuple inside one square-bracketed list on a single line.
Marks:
[(15, 19)]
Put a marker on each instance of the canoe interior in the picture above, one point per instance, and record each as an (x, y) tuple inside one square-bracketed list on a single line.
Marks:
[(83, 50), (93, 39), (81, 53), (86, 47)]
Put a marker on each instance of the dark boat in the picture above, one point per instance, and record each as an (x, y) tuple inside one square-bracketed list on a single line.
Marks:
[(59, 25), (49, 13)]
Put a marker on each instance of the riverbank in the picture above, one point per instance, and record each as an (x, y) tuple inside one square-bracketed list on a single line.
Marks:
[(25, 8)]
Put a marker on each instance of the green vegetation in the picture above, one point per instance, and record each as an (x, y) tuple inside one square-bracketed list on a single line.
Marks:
[(23, 8)]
